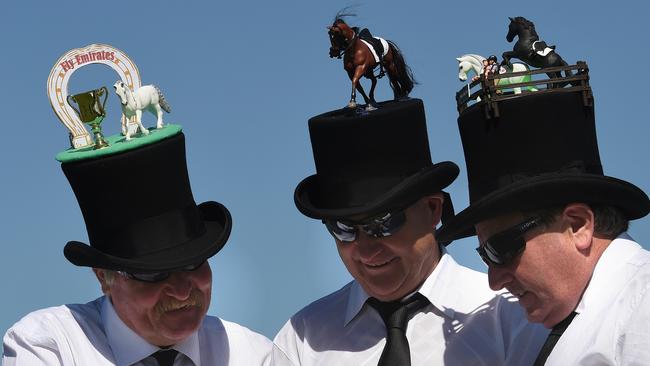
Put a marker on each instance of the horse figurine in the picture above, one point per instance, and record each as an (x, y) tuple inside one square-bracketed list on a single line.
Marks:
[(472, 62), (530, 49), (359, 59), (147, 97)]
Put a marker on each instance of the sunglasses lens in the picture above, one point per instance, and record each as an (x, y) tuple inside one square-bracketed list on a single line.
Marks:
[(161, 276), (503, 247), (150, 277), (385, 225), (341, 231)]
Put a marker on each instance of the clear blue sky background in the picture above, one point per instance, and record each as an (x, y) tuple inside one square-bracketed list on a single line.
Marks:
[(243, 77)]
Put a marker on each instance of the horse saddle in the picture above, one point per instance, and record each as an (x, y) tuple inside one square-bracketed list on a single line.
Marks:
[(542, 49), (378, 46)]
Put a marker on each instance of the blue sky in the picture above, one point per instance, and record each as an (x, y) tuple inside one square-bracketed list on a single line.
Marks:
[(242, 78)]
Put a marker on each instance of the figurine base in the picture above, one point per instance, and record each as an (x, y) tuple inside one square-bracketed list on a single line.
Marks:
[(119, 144)]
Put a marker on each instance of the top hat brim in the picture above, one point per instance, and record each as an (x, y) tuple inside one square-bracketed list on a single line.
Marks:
[(404, 191), (548, 190), (217, 221)]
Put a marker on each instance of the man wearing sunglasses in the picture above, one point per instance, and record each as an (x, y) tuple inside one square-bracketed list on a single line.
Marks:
[(149, 250), (380, 197), (552, 227)]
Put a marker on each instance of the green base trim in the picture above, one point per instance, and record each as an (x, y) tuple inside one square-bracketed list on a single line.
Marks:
[(117, 144)]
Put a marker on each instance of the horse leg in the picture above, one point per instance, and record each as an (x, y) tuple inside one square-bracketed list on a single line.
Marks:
[(123, 123), (506, 58), (125, 127), (373, 102), (358, 72), (138, 120), (353, 96), (515, 80), (159, 114)]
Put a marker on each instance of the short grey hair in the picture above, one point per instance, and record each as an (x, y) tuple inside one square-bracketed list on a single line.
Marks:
[(109, 275)]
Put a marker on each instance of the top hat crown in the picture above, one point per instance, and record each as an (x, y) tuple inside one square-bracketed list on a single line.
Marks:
[(139, 211), (540, 152), (370, 163)]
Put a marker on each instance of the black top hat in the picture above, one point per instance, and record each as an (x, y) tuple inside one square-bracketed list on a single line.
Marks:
[(541, 152), (139, 211), (369, 164)]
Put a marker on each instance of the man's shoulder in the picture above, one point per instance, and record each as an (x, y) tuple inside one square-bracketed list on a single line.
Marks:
[(472, 283), (234, 332), (50, 322), (327, 306)]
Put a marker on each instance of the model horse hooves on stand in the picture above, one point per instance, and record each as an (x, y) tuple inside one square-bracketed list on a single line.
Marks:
[(361, 54), (530, 49), (147, 97)]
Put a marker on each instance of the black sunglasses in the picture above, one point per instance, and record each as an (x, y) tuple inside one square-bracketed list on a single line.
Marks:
[(378, 227), (159, 276), (503, 247)]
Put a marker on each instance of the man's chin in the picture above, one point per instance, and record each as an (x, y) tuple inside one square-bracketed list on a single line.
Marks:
[(180, 324)]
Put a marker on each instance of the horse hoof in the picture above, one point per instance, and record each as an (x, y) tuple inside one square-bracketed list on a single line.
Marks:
[(145, 131), (159, 127), (352, 105), (370, 108)]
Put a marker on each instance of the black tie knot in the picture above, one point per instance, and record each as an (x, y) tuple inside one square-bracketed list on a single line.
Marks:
[(165, 357), (395, 313)]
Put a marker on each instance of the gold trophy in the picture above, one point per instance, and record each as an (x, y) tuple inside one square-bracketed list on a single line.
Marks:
[(92, 112)]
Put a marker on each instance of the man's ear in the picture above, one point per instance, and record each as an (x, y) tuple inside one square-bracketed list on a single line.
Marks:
[(101, 277), (434, 202), (580, 219)]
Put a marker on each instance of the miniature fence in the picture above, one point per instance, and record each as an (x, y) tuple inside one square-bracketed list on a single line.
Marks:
[(489, 94)]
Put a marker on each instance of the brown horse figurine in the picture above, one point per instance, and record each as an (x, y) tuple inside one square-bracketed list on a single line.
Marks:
[(359, 61)]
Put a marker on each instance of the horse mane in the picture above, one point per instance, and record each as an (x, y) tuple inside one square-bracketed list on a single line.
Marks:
[(527, 24), (344, 13), (473, 55)]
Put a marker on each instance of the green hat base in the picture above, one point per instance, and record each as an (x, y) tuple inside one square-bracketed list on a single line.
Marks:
[(118, 143)]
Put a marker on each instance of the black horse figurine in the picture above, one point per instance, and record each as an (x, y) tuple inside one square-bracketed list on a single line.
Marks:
[(358, 60), (530, 49)]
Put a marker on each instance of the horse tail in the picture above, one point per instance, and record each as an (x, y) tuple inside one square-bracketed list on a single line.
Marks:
[(162, 101), (402, 81)]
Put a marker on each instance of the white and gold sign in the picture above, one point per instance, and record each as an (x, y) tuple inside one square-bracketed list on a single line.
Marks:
[(73, 60)]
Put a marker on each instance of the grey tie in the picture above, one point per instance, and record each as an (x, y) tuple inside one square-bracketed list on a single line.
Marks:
[(165, 357)]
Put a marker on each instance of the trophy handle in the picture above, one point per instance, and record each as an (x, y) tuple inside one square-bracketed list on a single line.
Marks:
[(72, 106), (103, 91)]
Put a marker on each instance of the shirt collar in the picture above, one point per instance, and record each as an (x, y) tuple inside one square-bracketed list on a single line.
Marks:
[(438, 288), (606, 274), (128, 347)]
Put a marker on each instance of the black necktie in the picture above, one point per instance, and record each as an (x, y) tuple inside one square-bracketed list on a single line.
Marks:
[(165, 357), (395, 315), (552, 339)]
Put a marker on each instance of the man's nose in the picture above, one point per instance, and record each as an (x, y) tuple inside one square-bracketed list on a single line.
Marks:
[(367, 246), (179, 285), (498, 277)]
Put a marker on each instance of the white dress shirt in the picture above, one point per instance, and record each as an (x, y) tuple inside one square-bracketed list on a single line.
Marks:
[(612, 326), (465, 324), (93, 334)]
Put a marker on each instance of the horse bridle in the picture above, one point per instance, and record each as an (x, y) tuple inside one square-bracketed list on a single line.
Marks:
[(339, 39)]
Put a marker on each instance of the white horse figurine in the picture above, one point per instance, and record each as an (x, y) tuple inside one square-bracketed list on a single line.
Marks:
[(147, 97), (473, 62)]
